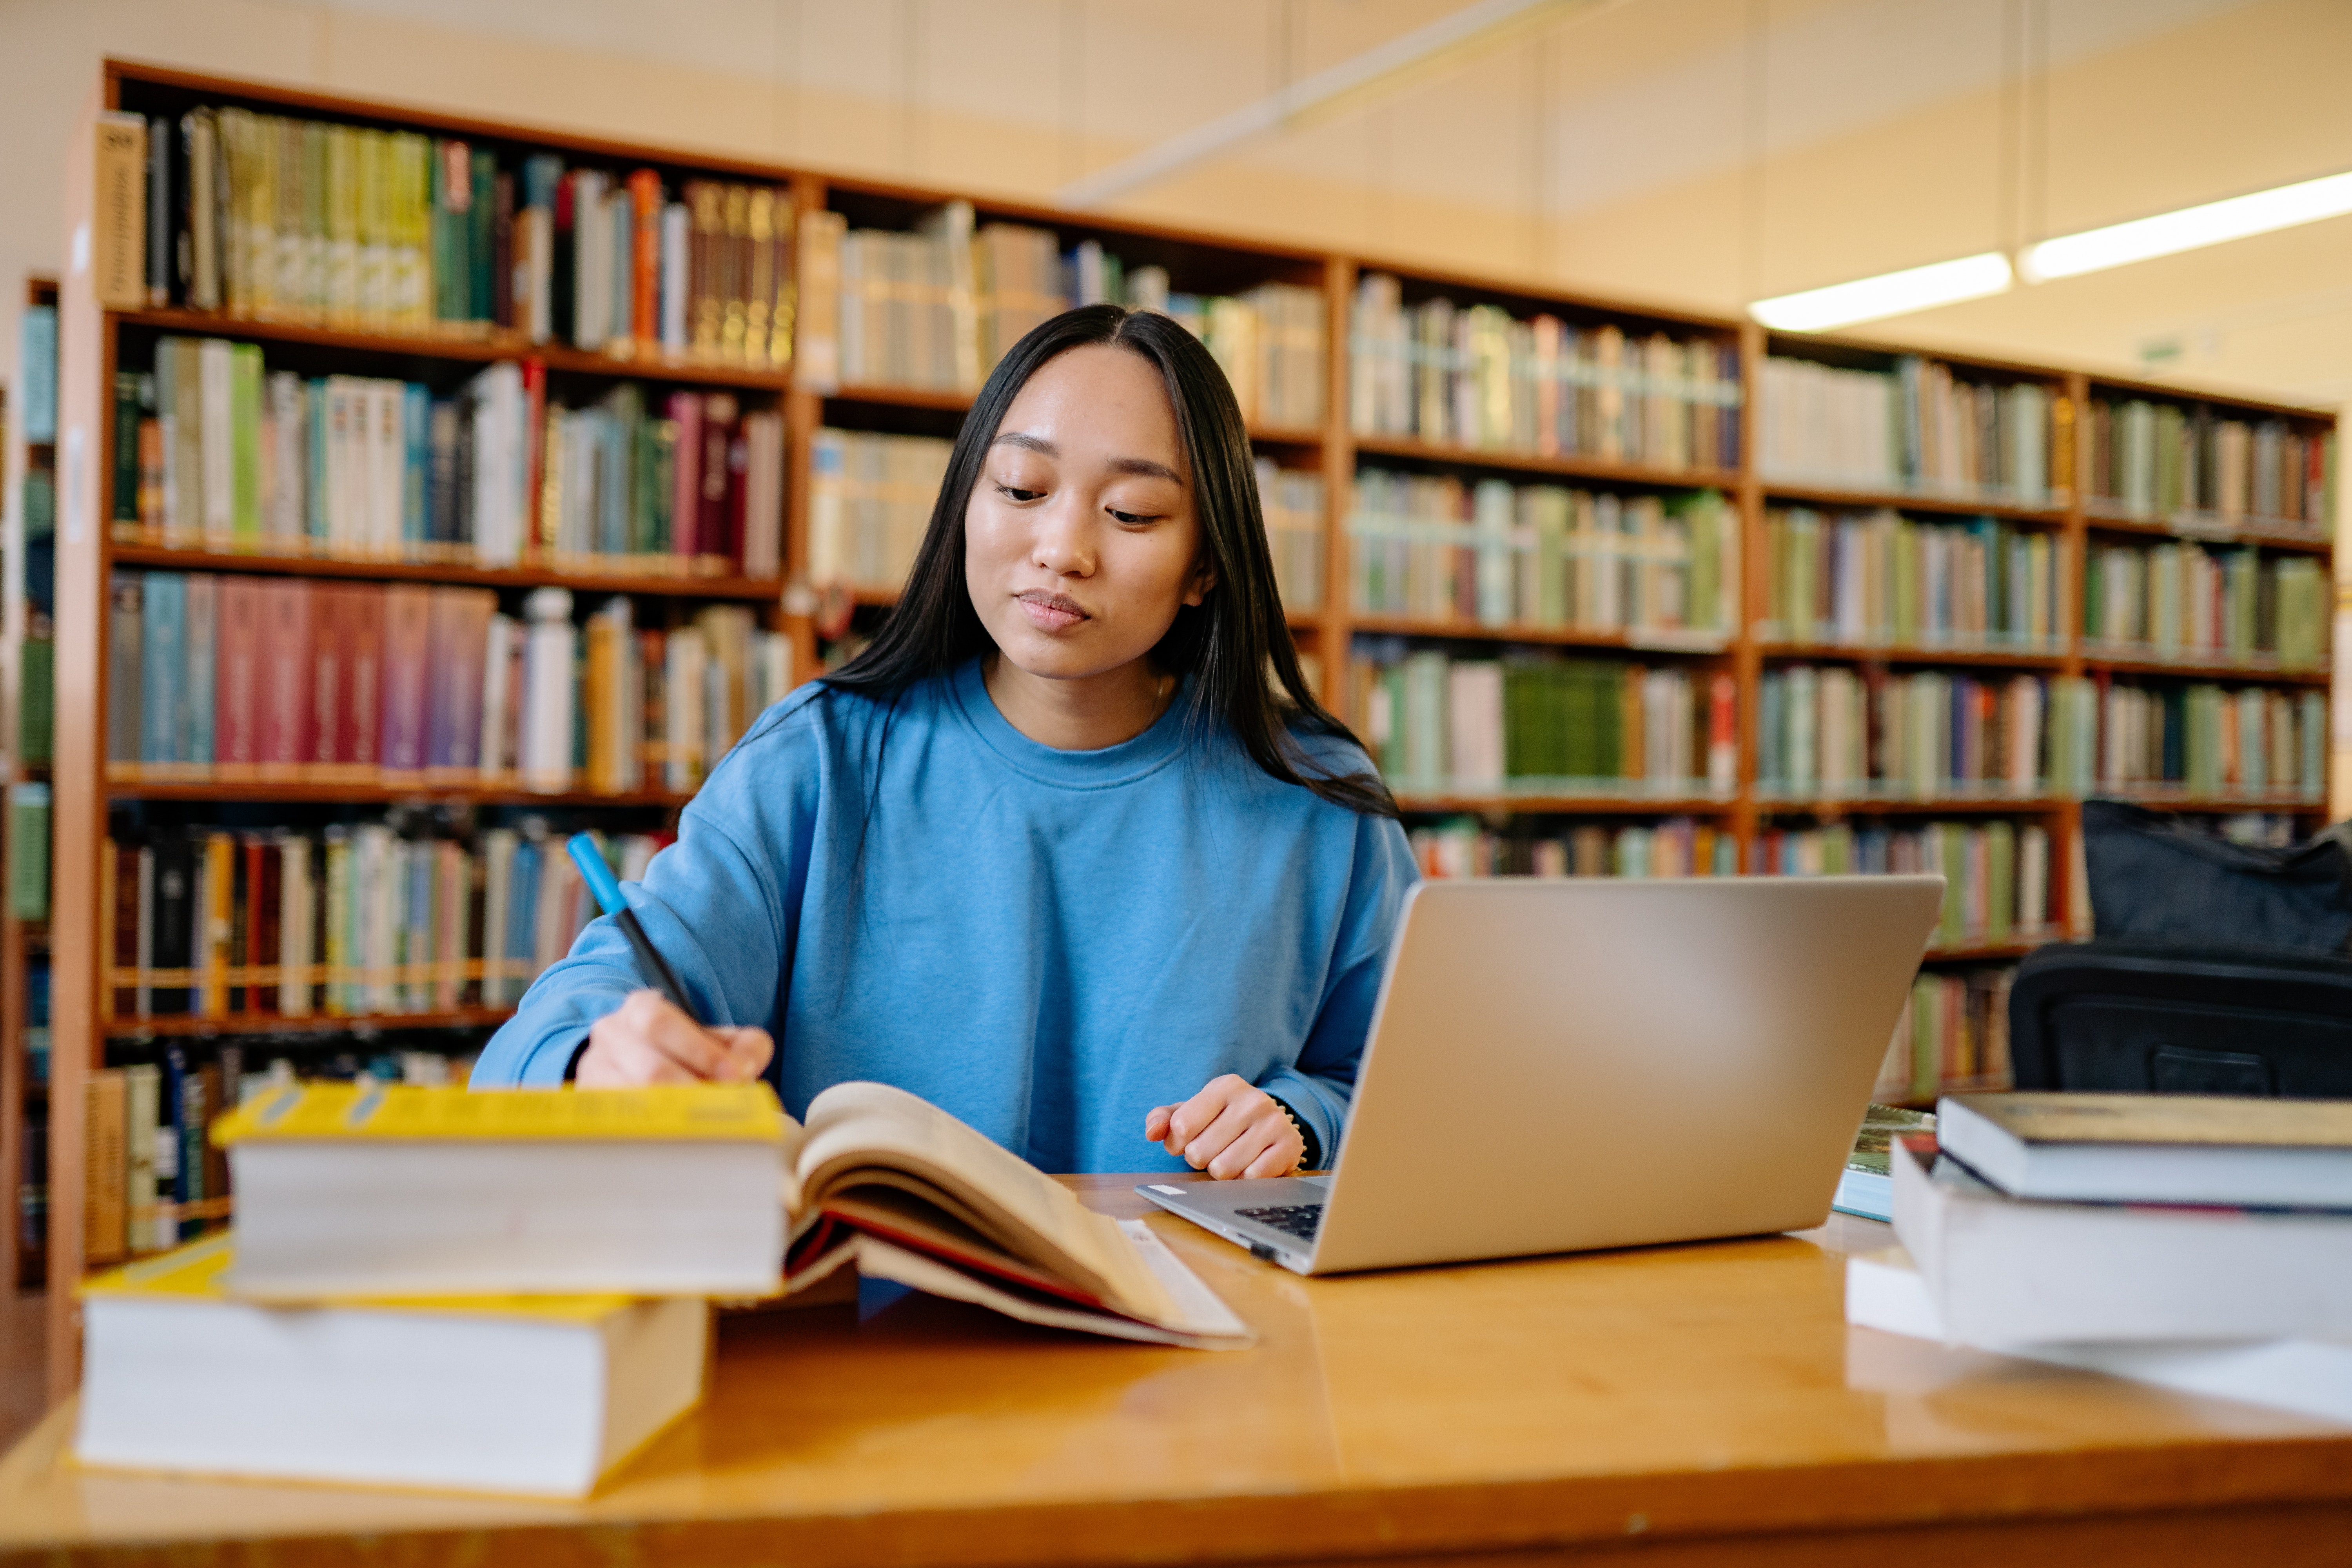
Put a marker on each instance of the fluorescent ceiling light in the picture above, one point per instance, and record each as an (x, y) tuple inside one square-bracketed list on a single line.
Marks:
[(1888, 294), (2188, 228)]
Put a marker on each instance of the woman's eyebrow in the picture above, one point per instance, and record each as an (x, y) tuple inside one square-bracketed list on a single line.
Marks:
[(1038, 444)]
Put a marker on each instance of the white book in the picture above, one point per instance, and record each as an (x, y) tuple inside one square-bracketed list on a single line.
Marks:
[(289, 452), (387, 461), (686, 656), (217, 441), (497, 753), (545, 758), (501, 477), (509, 1395), (296, 913), (1475, 722), (1885, 1291), (763, 500), (2004, 1270), (378, 881), (2155, 1148)]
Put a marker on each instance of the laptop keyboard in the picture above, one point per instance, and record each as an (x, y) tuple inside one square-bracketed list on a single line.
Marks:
[(1300, 1220)]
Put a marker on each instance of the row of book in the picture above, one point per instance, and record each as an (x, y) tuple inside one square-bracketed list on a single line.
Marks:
[(213, 451), (1839, 732), (1498, 554), (28, 849), (1880, 579), (254, 679), (1292, 503), (1953, 1036), (2201, 741), (1915, 427), (937, 306), (1473, 376), (2162, 462), (1677, 847), (2188, 603), (366, 919), (1997, 883), (1442, 725), (870, 502), (351, 226)]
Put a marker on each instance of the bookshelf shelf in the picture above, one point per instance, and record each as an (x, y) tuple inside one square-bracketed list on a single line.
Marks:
[(383, 792), (1914, 500), (478, 348), (97, 343), (649, 585), (1955, 658), (275, 1025), (1594, 804), (2198, 532), (1987, 951), (1693, 645), (1501, 461), (2196, 669)]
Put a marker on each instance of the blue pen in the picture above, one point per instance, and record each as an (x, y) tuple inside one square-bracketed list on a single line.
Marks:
[(601, 883)]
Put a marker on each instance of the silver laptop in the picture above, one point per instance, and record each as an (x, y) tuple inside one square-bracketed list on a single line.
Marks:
[(1561, 1065)]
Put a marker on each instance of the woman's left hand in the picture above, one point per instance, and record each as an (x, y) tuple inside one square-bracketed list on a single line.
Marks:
[(1232, 1127)]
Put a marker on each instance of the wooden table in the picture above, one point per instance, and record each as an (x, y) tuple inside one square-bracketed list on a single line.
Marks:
[(1683, 1406)]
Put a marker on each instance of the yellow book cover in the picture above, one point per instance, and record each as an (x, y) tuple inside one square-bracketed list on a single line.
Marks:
[(697, 1112), (198, 1272)]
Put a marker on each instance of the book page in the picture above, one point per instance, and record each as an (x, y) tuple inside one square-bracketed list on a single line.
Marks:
[(1203, 1323), (852, 1129)]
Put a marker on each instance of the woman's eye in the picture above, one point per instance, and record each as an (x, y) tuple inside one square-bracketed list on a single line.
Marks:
[(1129, 517), (1014, 492)]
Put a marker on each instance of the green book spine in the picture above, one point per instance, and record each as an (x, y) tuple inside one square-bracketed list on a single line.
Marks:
[(126, 447), (244, 436), (36, 702), (481, 243), (2000, 895), (29, 851)]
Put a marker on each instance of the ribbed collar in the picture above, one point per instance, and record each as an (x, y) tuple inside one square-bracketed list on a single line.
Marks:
[(1112, 766)]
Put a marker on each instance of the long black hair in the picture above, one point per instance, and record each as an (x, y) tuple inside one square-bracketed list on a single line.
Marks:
[(1228, 644)]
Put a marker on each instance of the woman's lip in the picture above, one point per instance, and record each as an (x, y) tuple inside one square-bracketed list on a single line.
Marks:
[(1048, 615)]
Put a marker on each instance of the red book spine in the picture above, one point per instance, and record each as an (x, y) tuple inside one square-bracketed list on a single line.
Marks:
[(330, 681), (407, 667), (287, 658), (686, 502), (739, 488), (237, 676), (644, 291), (359, 720), (534, 403)]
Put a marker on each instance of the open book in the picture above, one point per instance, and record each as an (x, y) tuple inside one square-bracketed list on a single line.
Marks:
[(885, 1181)]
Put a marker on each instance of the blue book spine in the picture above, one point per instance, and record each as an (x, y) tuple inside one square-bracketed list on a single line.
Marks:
[(611, 487), (184, 1103), (317, 487), (196, 709), (163, 640), (36, 333), (415, 462), (522, 903)]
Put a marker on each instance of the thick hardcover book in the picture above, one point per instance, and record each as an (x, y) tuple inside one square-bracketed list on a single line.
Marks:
[(358, 722), (236, 701), (118, 230), (286, 659), (2155, 1148), (125, 671), (198, 716), (162, 686), (105, 1166)]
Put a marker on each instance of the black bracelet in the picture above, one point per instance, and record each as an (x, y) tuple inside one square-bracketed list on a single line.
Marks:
[(1311, 1156)]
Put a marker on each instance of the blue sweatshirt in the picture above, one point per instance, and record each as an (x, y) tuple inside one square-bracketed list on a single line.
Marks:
[(1046, 943)]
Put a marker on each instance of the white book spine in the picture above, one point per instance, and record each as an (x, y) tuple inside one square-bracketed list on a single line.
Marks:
[(218, 443), (498, 881), (546, 760), (675, 275)]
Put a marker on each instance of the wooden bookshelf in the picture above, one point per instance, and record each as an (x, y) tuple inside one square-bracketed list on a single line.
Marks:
[(1198, 262)]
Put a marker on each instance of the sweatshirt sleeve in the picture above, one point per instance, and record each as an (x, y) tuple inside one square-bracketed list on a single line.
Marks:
[(718, 904), (1322, 1084)]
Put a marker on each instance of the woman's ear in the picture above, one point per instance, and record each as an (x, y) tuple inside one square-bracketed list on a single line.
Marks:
[(1204, 577)]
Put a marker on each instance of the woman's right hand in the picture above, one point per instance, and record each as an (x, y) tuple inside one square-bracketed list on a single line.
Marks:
[(649, 1040)]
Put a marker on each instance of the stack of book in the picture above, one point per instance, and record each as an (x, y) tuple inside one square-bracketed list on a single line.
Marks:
[(2161, 462), (215, 451), (1915, 427), (360, 228), (287, 679), (1880, 580), (1441, 725), (2201, 1243), (511, 1292), (2189, 603), (1677, 847), (1431, 547), (1996, 874), (366, 919), (1452, 376), (1843, 732)]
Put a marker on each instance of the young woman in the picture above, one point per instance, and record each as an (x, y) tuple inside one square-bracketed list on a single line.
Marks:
[(1053, 852)]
